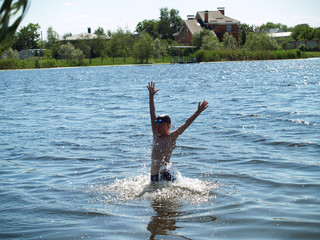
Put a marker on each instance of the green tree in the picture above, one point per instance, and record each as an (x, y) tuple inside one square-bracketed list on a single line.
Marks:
[(52, 42), (27, 38), (303, 32), (175, 21), (271, 25), (317, 33), (66, 35), (163, 25), (100, 46), (120, 44), (210, 42), (52, 37), (198, 37), (244, 30), (160, 48), (11, 54), (143, 47), (9, 9), (69, 52), (126, 43), (86, 46), (100, 31), (169, 23), (260, 41), (113, 47), (77, 54), (229, 42), (147, 26), (66, 50)]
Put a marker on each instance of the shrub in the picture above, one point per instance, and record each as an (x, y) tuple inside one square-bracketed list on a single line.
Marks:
[(210, 42), (200, 55), (48, 63), (66, 50), (260, 41), (77, 54), (299, 55), (11, 54), (229, 42), (302, 47), (8, 64)]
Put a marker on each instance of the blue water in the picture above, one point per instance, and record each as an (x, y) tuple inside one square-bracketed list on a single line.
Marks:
[(75, 148)]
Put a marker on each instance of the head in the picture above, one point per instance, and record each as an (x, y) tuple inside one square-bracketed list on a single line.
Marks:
[(163, 124)]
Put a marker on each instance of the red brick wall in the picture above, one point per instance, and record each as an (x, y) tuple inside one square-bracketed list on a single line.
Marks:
[(219, 30), (187, 40)]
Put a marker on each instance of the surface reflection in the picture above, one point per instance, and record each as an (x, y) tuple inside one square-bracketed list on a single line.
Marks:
[(164, 222)]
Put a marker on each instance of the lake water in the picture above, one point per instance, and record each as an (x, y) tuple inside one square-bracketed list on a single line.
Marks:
[(75, 148)]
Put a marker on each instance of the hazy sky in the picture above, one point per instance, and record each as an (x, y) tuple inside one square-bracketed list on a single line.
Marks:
[(76, 16)]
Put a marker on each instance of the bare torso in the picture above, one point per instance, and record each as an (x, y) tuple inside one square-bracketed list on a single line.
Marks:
[(161, 152)]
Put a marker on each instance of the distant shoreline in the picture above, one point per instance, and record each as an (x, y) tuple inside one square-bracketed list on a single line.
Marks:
[(205, 56)]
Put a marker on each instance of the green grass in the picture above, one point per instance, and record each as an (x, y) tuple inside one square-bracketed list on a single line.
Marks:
[(246, 55), (53, 63), (312, 54), (202, 56)]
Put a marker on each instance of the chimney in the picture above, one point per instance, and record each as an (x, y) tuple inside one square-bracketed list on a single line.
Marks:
[(89, 30), (206, 18), (190, 17), (221, 9)]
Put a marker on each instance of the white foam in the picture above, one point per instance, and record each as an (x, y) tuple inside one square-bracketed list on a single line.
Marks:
[(140, 187)]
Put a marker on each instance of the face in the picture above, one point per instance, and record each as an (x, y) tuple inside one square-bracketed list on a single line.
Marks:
[(163, 128)]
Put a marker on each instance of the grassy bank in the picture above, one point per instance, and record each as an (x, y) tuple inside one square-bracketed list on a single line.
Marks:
[(201, 55), (245, 55), (312, 54), (54, 63)]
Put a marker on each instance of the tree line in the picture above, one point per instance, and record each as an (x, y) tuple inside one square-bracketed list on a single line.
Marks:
[(152, 38)]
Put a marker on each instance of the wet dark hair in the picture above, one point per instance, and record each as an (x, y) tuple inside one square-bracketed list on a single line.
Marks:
[(164, 118)]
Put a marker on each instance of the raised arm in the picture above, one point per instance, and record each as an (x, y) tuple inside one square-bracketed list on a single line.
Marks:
[(201, 107), (152, 92)]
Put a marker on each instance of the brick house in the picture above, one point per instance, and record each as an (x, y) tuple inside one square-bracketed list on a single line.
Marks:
[(215, 21)]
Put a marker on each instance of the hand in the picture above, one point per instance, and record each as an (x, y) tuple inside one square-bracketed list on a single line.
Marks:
[(202, 106), (151, 88)]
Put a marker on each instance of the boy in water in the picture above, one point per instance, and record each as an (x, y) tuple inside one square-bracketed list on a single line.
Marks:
[(164, 141)]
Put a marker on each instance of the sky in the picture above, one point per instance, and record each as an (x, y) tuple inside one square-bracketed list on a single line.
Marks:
[(75, 16)]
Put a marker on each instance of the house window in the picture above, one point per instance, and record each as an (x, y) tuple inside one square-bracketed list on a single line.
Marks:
[(213, 27), (229, 28), (183, 35)]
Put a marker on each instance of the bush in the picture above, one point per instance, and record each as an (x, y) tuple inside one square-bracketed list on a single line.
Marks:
[(302, 47), (37, 64), (48, 63), (229, 42), (299, 55), (8, 64), (260, 41), (285, 45), (11, 54), (77, 54), (210, 42), (200, 55)]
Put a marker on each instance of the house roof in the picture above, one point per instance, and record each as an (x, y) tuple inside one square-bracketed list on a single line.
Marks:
[(216, 17), (192, 25), (82, 36), (274, 30), (280, 34)]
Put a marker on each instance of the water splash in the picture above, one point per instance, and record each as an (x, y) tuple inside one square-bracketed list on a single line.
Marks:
[(183, 190)]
